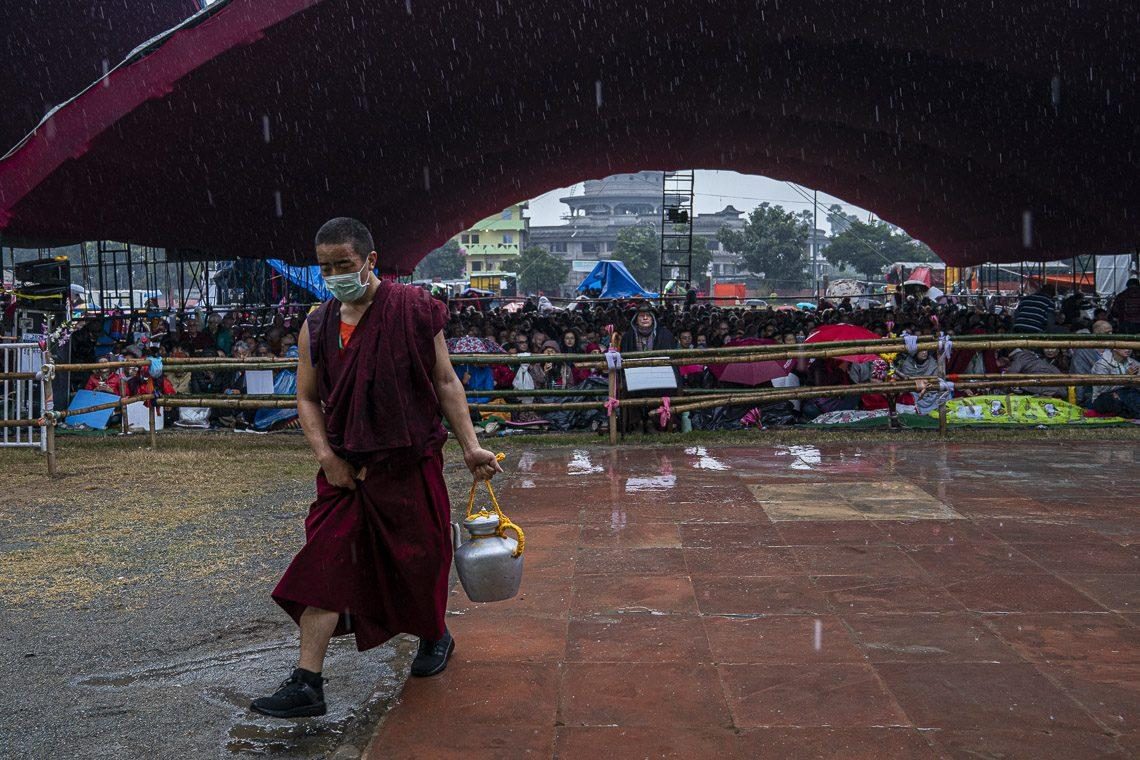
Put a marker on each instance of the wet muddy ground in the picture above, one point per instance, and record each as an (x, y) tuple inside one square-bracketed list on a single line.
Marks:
[(139, 626)]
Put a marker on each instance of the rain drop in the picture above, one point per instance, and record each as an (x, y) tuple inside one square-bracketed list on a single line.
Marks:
[(265, 127), (427, 179), (277, 203), (817, 640), (598, 92), (1027, 228)]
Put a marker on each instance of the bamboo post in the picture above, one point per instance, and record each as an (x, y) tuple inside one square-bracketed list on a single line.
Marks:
[(49, 432), (613, 419), (892, 413), (153, 437), (942, 419)]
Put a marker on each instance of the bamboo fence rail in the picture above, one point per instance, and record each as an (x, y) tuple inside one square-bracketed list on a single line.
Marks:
[(681, 400)]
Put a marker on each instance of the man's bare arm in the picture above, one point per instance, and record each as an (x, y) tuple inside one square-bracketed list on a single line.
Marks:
[(453, 402)]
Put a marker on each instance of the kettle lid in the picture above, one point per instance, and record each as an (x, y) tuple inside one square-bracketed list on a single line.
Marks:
[(482, 523)]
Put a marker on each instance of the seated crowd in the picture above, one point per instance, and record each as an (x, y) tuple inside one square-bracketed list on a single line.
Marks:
[(540, 329)]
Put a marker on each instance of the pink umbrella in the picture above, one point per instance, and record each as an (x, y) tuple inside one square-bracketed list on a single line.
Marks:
[(834, 333)]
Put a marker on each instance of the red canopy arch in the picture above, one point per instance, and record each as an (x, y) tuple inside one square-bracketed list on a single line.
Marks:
[(977, 129)]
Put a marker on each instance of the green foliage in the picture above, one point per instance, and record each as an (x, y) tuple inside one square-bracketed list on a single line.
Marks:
[(445, 262), (538, 270), (773, 242), (640, 250), (868, 247)]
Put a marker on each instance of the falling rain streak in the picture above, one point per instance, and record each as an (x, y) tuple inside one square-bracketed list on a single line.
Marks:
[(1027, 228), (277, 203)]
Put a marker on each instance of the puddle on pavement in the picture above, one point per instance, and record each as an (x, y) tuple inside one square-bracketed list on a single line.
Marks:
[(580, 464), (651, 483), (225, 682), (704, 460)]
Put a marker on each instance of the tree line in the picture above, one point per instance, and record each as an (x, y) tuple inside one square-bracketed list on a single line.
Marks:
[(773, 244)]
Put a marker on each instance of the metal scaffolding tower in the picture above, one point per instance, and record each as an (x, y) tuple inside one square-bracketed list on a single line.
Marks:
[(677, 227)]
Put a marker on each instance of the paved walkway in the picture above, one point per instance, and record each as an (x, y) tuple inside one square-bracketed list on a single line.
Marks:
[(862, 601)]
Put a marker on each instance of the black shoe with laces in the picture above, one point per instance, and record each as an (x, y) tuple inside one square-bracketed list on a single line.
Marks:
[(432, 657), (298, 697)]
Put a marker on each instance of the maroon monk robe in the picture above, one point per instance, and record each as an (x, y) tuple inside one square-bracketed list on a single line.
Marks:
[(379, 555)]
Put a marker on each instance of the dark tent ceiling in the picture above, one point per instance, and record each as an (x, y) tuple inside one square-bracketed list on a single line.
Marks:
[(978, 125), (51, 49)]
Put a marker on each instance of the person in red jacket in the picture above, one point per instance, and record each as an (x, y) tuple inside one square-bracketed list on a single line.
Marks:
[(105, 380)]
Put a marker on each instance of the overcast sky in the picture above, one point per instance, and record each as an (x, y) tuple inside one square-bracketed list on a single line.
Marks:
[(714, 190)]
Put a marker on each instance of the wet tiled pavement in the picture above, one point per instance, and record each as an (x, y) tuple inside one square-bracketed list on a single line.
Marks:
[(860, 601)]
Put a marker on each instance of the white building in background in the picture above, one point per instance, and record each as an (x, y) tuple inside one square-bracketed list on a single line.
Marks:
[(608, 206)]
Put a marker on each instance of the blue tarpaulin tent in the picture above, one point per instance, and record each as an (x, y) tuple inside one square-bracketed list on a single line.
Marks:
[(308, 277), (614, 281)]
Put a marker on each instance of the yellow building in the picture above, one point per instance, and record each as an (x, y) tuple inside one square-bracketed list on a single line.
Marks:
[(493, 241)]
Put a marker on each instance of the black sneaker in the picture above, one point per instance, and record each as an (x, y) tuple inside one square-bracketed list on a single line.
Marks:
[(432, 657), (296, 698)]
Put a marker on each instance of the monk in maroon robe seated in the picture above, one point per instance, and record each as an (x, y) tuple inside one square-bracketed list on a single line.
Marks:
[(373, 381)]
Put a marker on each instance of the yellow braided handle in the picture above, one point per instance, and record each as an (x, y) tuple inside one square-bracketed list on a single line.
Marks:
[(505, 523)]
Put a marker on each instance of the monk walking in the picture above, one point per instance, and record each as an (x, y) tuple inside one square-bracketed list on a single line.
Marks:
[(373, 380)]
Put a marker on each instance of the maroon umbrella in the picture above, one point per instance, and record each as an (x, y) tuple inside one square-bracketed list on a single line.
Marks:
[(749, 373)]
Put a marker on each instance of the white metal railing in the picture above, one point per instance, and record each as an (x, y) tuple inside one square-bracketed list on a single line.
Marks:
[(22, 398)]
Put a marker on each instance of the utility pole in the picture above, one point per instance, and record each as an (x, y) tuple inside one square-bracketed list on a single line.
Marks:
[(814, 242)]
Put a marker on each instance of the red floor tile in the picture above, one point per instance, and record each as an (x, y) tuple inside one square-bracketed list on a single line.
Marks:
[(862, 594), (972, 696), (1012, 507), (817, 532), (1111, 693), (1020, 593), (1117, 592), (1102, 639), (752, 595), (537, 596), (1084, 558), (630, 536), (652, 694), (637, 637), (1041, 530), (940, 637), (780, 639), (663, 613), (1029, 744), (638, 742), (595, 594), (970, 560), (623, 562), (459, 740), (486, 636), (937, 532), (835, 695), (725, 536), (474, 694), (834, 744), (758, 560), (853, 559)]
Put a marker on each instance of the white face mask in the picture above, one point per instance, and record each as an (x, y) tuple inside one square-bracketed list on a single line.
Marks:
[(347, 288)]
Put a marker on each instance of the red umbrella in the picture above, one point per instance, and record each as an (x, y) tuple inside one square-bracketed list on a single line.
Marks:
[(835, 333), (749, 373)]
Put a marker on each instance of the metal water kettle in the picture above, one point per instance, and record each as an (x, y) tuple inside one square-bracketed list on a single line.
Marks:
[(490, 563)]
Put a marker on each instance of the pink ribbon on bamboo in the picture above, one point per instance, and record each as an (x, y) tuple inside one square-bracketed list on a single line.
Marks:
[(753, 417), (665, 411), (611, 404)]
